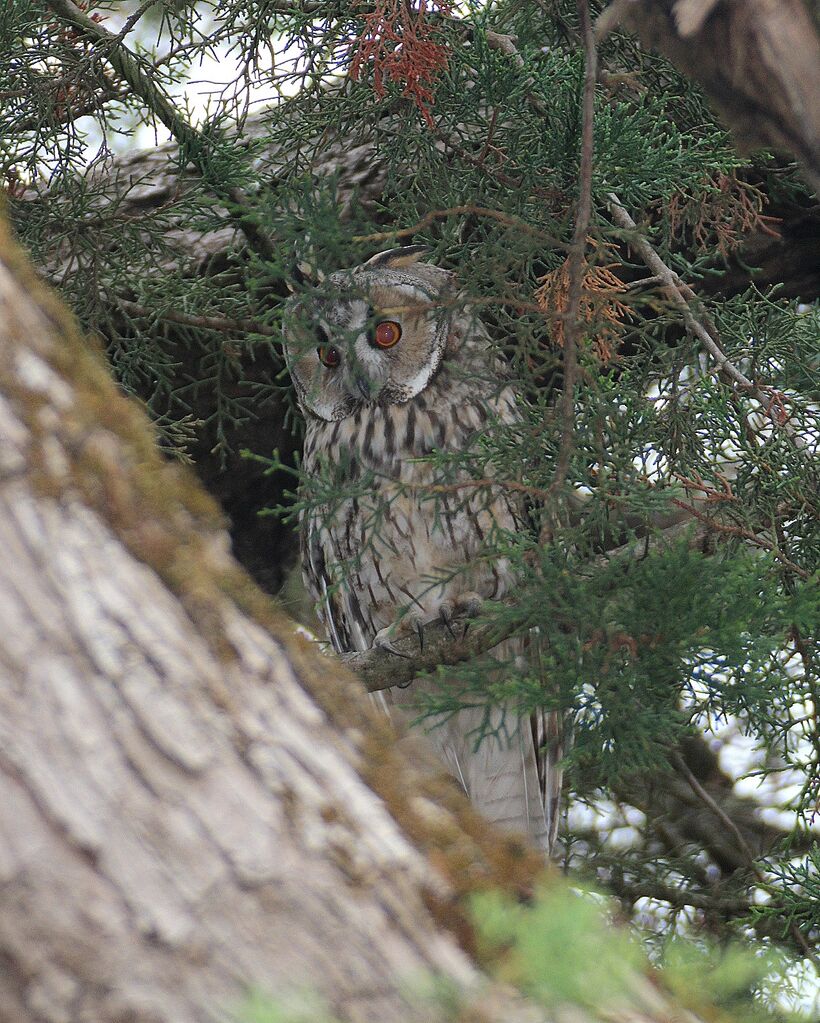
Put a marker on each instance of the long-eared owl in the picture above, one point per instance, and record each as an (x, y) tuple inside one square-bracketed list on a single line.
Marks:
[(398, 381)]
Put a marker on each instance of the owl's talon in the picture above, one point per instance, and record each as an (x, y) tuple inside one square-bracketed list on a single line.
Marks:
[(445, 613), (383, 640), (385, 644)]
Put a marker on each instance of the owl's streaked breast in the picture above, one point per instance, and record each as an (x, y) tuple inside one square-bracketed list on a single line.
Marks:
[(409, 539)]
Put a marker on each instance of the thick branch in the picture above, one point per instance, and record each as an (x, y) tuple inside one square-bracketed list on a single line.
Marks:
[(759, 60), (381, 669)]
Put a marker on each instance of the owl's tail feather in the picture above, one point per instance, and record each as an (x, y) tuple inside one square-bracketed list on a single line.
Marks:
[(509, 766), (504, 772)]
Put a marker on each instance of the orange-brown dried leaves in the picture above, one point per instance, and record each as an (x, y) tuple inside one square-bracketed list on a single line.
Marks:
[(600, 305), (719, 214), (398, 42)]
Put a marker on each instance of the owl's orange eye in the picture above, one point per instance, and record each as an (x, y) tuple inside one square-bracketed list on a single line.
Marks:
[(387, 333), (328, 356)]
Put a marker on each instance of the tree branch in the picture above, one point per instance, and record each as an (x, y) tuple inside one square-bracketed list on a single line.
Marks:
[(759, 62), (432, 216), (195, 146), (678, 291), (220, 323), (380, 669)]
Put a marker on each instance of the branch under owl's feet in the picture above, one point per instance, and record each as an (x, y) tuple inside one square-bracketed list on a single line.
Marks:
[(445, 642), (465, 636)]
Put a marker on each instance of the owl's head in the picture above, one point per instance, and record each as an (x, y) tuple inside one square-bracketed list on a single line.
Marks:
[(375, 334)]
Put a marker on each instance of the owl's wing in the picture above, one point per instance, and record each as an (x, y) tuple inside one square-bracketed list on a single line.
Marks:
[(548, 740), (337, 603)]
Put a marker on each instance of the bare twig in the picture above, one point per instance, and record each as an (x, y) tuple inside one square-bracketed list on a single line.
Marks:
[(744, 534), (452, 211), (678, 292), (644, 282), (135, 17), (506, 44), (511, 485), (516, 184), (64, 113), (680, 898)]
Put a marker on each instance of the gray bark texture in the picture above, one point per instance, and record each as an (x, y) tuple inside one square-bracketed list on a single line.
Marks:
[(759, 61), (193, 802)]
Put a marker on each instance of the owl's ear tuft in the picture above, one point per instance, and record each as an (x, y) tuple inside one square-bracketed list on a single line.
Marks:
[(303, 275), (395, 259)]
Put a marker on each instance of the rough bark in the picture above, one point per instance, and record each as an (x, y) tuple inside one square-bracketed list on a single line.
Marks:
[(759, 60), (265, 548), (192, 802)]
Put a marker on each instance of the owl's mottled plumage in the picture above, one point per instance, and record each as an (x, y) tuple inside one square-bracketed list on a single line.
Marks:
[(377, 414)]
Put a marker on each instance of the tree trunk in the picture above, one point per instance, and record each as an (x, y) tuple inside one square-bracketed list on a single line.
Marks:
[(759, 61), (194, 804)]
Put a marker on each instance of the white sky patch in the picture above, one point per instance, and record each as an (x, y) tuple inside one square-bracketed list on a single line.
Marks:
[(215, 81)]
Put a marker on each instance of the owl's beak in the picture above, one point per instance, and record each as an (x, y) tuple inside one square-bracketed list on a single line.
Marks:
[(363, 386)]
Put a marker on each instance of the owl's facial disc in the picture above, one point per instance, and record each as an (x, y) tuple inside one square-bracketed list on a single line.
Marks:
[(380, 345)]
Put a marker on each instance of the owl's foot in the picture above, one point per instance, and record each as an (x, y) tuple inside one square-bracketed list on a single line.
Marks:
[(466, 605), (383, 640), (410, 624)]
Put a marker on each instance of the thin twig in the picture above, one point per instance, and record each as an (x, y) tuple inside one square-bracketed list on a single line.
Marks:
[(741, 533), (135, 17), (64, 114), (452, 211), (506, 44), (742, 845), (220, 323), (680, 898), (645, 282), (678, 291), (576, 258), (516, 184), (512, 485)]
